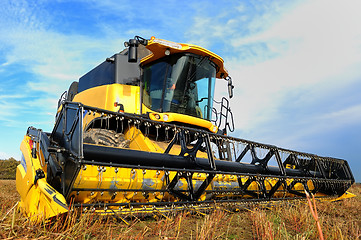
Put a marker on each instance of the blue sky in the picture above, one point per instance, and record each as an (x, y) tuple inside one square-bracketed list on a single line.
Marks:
[(296, 65)]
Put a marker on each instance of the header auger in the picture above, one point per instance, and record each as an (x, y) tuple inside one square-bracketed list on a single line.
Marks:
[(141, 133)]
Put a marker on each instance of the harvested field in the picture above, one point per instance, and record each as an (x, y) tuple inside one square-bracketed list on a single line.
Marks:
[(338, 220)]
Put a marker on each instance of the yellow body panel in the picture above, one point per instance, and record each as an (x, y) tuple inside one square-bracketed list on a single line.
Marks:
[(126, 178), (105, 96), (139, 142), (38, 200), (343, 196), (177, 117)]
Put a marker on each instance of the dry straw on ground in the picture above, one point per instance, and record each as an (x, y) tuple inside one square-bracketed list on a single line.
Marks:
[(338, 220)]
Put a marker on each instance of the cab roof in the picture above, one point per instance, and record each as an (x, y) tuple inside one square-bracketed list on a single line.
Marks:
[(158, 48)]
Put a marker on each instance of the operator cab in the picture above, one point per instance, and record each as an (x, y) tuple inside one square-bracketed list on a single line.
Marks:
[(177, 82), (180, 83)]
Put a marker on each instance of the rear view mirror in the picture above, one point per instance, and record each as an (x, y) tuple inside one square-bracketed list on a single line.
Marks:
[(133, 47), (230, 86), (132, 51)]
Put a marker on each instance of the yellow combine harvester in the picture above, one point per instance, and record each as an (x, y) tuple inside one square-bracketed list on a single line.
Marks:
[(137, 137)]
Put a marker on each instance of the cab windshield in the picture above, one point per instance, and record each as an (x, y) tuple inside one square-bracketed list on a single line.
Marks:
[(182, 83)]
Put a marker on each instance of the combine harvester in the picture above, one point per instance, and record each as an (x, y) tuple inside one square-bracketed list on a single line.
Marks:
[(142, 134)]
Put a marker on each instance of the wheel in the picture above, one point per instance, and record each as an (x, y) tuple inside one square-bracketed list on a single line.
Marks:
[(105, 137)]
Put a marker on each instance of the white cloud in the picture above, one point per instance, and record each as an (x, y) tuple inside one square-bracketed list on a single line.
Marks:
[(9, 105), (4, 156), (317, 49), (317, 132), (52, 60), (350, 115), (26, 31)]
